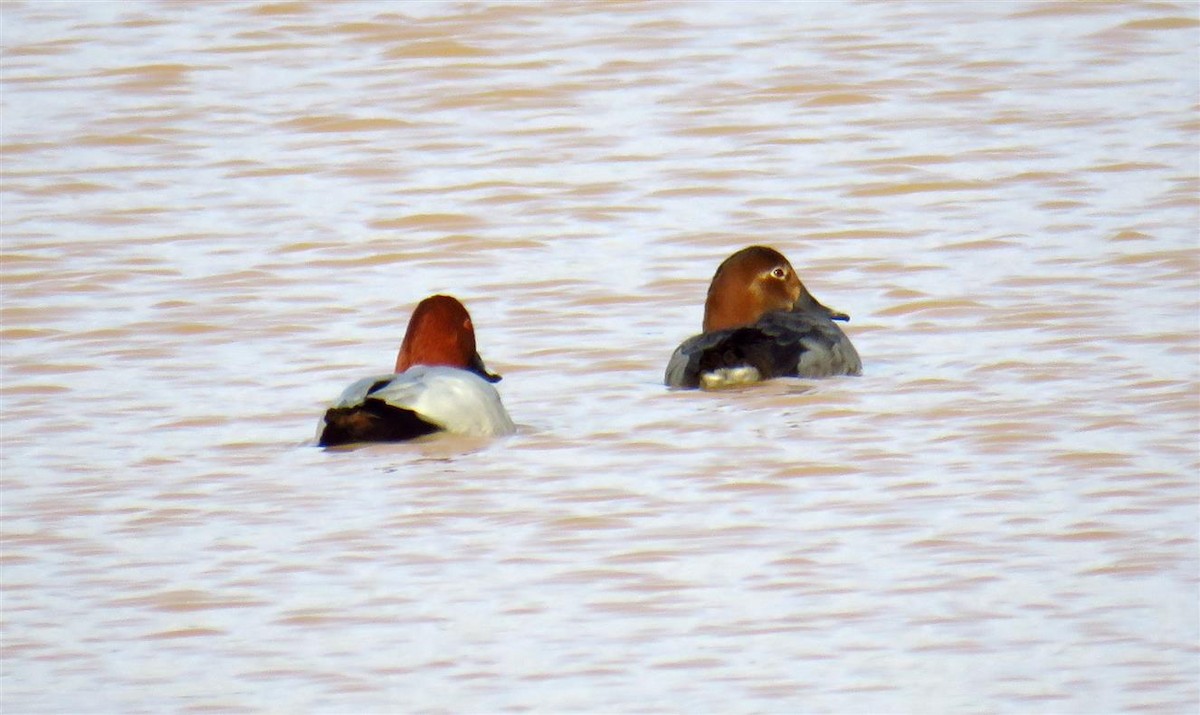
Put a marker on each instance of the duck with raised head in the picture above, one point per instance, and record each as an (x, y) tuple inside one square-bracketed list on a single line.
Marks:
[(439, 384), (761, 322)]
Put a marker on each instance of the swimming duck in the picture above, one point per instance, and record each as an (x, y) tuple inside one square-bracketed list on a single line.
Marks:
[(439, 384), (761, 322)]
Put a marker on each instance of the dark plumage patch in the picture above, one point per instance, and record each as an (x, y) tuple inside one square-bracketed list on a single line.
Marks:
[(379, 385), (372, 421), (772, 354)]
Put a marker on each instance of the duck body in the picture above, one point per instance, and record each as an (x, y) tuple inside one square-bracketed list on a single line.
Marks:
[(780, 344), (761, 322), (440, 384), (421, 400)]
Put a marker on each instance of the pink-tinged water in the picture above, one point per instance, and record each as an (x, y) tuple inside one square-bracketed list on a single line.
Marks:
[(217, 215)]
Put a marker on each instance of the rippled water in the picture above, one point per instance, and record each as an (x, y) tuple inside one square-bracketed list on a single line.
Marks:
[(217, 215)]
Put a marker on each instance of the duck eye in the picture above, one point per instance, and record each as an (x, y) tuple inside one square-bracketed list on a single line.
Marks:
[(780, 272)]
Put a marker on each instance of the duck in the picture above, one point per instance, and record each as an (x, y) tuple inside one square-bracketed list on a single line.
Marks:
[(760, 322), (440, 384)]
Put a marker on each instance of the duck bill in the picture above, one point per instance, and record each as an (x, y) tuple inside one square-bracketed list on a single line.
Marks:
[(836, 314), (476, 366), (808, 304)]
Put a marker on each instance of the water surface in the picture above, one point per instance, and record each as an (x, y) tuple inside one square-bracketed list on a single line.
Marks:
[(217, 215)]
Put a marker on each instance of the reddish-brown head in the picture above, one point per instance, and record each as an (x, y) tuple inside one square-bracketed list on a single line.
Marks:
[(752, 282), (440, 332)]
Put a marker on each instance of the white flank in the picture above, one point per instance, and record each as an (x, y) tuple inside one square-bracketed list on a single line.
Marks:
[(456, 400)]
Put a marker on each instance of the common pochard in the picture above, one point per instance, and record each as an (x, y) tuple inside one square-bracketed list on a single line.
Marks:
[(439, 384), (761, 322)]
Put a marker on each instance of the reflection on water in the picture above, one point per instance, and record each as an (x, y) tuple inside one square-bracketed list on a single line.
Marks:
[(216, 216)]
